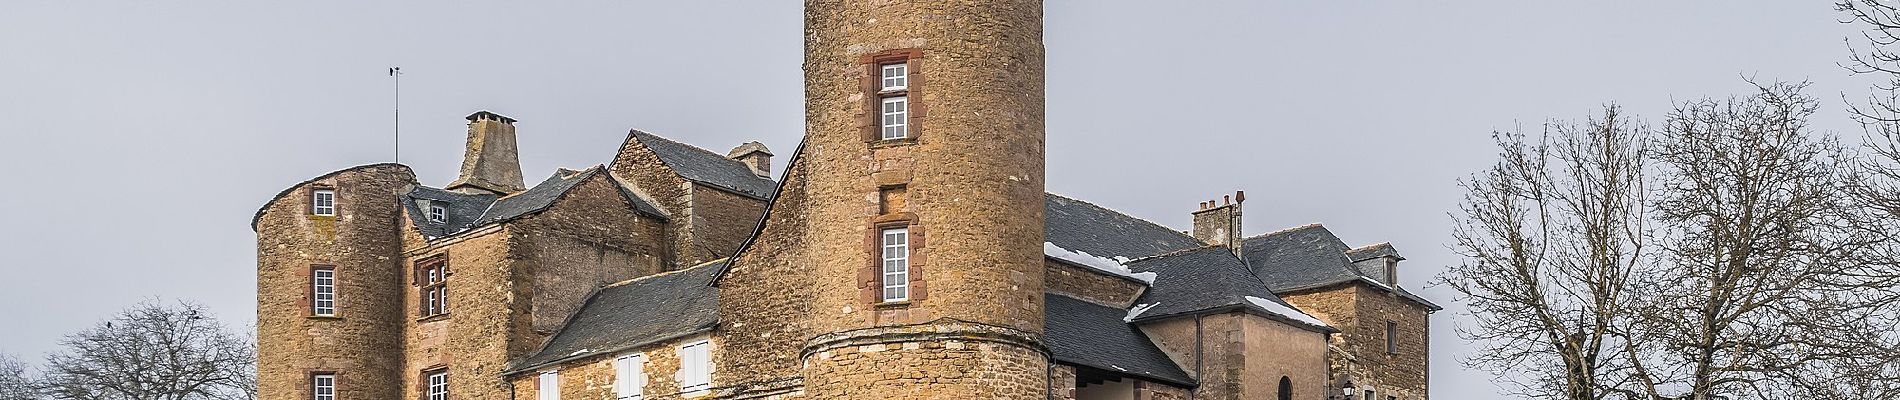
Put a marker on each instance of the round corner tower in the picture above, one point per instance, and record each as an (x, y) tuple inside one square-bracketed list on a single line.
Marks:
[(329, 285), (924, 167)]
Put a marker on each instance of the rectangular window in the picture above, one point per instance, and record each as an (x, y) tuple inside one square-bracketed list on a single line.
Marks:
[(433, 276), (894, 77), (550, 385), (896, 264), (323, 387), (438, 386), (1391, 337), (323, 291), (630, 376), (438, 213), (893, 117), (323, 202), (696, 366)]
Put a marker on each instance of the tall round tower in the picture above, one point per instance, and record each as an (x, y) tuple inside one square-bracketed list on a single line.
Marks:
[(924, 163), (329, 286)]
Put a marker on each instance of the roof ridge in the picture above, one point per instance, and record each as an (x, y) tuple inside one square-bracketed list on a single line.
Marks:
[(688, 145), (1173, 253), (1119, 212), (665, 273), (1287, 230), (1371, 246)]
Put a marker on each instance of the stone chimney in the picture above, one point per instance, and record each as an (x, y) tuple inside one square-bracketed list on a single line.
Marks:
[(755, 155), (1218, 222), (491, 163)]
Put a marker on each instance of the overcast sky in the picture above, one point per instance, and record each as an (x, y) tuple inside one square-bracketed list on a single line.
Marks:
[(137, 138)]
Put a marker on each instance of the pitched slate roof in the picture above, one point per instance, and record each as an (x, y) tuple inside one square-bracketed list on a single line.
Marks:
[(1079, 226), (1311, 256), (706, 167), (1373, 251), (635, 313), (1300, 257), (1088, 334), (468, 211), (1205, 279), (464, 210)]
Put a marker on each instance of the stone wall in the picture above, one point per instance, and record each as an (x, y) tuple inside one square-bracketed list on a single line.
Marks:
[(1272, 350), (1237, 355), (1360, 312), (722, 220), (362, 243), (937, 369), (513, 284), (1091, 285), (763, 318), (593, 378)]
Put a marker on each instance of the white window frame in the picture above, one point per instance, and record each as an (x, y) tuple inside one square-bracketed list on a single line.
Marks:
[(695, 366), (894, 117), (894, 247), (630, 376), (438, 213), (323, 387), (323, 202), (550, 386), (323, 291), (893, 77), (438, 386)]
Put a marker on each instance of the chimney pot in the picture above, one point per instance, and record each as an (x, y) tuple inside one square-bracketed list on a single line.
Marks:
[(754, 155), (491, 162), (1240, 196)]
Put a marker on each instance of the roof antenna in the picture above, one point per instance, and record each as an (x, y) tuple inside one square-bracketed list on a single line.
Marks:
[(395, 73)]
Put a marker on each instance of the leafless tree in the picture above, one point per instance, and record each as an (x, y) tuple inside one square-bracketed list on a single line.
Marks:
[(153, 352), (1551, 236), (15, 384), (1767, 285)]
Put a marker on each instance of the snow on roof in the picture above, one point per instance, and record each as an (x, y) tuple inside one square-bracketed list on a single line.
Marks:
[(1285, 311), (1136, 312), (1112, 266)]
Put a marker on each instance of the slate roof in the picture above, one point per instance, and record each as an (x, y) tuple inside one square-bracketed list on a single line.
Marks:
[(635, 313), (468, 211), (1373, 251), (1311, 256), (1080, 226), (1088, 334), (1205, 279), (706, 167)]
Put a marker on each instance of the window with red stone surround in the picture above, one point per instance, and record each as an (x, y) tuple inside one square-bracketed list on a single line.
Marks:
[(322, 201), (871, 277), (313, 384), (321, 298), (904, 92), (432, 282)]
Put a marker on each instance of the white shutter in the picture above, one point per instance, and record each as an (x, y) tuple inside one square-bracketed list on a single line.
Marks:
[(550, 385), (630, 378)]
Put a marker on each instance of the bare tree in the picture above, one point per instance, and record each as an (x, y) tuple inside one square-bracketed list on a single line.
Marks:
[(15, 384), (1551, 236), (1767, 287), (153, 352)]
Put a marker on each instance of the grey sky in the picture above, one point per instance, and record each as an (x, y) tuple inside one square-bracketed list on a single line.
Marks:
[(138, 137)]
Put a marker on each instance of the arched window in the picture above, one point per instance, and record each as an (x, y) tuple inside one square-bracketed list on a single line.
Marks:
[(1286, 388)]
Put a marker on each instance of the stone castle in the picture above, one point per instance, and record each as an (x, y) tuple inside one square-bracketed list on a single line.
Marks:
[(908, 251)]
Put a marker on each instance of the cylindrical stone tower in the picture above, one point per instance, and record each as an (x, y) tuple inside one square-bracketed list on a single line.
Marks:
[(329, 286), (924, 155)]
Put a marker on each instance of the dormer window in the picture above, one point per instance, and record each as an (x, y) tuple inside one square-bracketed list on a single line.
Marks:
[(323, 202), (438, 213)]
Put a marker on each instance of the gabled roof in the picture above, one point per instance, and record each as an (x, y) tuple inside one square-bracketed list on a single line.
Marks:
[(1309, 257), (1080, 226), (1373, 251), (1092, 335), (706, 167), (634, 313), (1210, 279), (469, 211)]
